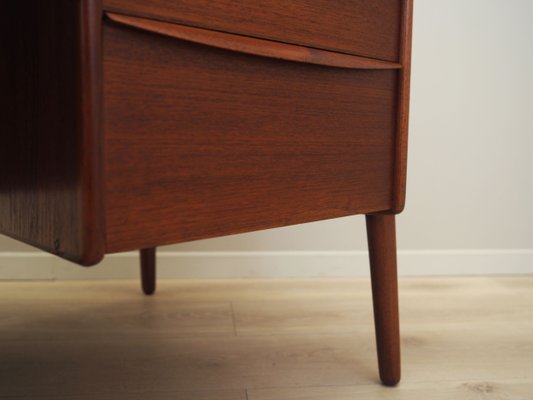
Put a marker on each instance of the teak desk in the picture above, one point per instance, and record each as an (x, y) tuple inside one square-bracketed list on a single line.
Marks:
[(130, 124)]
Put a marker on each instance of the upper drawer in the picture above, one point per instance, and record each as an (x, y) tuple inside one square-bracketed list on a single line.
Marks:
[(369, 28)]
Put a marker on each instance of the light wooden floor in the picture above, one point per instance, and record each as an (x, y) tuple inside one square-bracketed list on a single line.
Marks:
[(463, 338)]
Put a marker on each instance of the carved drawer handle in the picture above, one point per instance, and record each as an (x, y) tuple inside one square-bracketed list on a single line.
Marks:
[(249, 45)]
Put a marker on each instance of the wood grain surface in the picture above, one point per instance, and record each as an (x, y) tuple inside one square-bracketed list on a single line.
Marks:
[(263, 340), (50, 187), (400, 168), (254, 46), (368, 28), (381, 232), (202, 142)]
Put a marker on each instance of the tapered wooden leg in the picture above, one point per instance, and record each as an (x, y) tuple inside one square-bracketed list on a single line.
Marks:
[(148, 270), (381, 231)]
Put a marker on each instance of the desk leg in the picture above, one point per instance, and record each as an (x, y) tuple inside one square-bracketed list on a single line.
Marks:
[(148, 277), (381, 232)]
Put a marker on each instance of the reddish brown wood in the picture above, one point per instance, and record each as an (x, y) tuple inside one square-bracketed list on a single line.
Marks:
[(50, 181), (258, 47), (202, 142), (400, 169), (368, 28), (52, 196), (148, 270), (381, 233)]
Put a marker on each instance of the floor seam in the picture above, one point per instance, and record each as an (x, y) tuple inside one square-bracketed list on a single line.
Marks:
[(233, 319)]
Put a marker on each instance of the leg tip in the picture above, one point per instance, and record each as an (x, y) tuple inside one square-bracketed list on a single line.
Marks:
[(390, 381), (148, 291)]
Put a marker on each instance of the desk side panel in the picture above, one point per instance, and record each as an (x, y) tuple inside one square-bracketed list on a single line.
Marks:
[(50, 111), (404, 81)]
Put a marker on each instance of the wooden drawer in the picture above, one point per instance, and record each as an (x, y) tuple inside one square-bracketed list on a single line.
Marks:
[(369, 28), (202, 142)]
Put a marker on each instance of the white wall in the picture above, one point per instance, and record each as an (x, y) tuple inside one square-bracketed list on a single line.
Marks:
[(470, 189)]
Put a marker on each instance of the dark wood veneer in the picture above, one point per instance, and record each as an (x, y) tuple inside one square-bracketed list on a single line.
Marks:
[(50, 193), (248, 45), (381, 232), (400, 162), (368, 28), (202, 142), (322, 141)]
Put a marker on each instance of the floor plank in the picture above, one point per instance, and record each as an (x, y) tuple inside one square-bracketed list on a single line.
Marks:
[(174, 364), (482, 390), (53, 320), (303, 317), (462, 338), (151, 395)]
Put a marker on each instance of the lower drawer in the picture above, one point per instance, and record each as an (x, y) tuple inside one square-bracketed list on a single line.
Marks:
[(202, 142)]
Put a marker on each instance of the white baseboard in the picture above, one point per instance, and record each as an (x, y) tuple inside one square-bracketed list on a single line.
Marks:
[(268, 264)]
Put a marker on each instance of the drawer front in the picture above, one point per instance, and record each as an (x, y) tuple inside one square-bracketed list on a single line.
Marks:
[(369, 28), (203, 142)]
